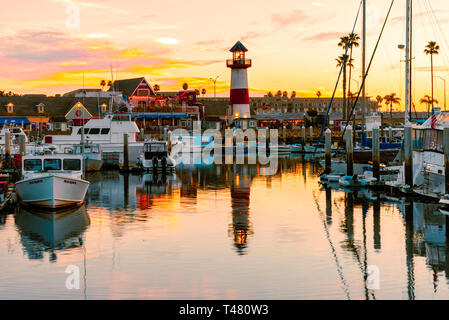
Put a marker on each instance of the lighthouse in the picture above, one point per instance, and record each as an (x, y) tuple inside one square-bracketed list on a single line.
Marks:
[(239, 82)]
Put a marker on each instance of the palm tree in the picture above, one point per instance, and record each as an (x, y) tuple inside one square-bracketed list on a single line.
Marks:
[(432, 48), (285, 94), (349, 42), (343, 60), (379, 100), (293, 94), (391, 99), (279, 93), (318, 94), (156, 88), (269, 94), (185, 86), (428, 100)]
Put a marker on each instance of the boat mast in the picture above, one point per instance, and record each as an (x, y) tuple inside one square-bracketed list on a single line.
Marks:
[(363, 65), (408, 62)]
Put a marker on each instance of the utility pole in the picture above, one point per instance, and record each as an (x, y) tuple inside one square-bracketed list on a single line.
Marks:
[(215, 87), (364, 66)]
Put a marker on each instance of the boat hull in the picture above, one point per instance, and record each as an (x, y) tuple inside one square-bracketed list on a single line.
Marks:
[(52, 191), (93, 164)]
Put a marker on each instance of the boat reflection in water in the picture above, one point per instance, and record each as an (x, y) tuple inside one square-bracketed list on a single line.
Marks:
[(42, 232)]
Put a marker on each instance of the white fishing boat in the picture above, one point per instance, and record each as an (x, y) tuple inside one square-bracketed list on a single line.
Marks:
[(14, 133), (52, 181), (92, 154), (156, 157)]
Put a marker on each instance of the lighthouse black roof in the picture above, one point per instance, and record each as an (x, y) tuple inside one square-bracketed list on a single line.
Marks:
[(238, 46)]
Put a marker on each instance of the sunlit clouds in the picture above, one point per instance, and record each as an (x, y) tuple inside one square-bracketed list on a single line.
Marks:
[(293, 44)]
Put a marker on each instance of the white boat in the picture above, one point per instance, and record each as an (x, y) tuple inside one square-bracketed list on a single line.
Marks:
[(92, 154), (52, 181), (295, 148), (156, 157), (14, 132)]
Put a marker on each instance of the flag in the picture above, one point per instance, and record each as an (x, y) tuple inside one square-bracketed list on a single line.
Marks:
[(434, 119)]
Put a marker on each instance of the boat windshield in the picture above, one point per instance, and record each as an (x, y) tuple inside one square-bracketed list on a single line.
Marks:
[(156, 147), (52, 164), (32, 165), (72, 164)]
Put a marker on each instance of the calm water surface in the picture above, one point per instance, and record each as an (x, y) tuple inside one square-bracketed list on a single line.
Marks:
[(226, 232)]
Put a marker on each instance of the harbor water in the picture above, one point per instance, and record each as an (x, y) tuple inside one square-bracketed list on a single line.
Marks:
[(226, 232)]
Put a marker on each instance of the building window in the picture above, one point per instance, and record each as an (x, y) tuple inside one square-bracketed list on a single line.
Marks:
[(10, 108), (142, 92), (40, 108)]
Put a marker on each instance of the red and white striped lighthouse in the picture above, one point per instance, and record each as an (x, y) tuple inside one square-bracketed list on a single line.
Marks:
[(239, 81)]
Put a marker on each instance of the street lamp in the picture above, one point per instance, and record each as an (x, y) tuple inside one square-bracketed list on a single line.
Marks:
[(445, 109), (215, 91)]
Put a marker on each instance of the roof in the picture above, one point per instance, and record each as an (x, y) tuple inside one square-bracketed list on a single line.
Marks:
[(126, 86), (54, 107), (238, 46), (215, 108)]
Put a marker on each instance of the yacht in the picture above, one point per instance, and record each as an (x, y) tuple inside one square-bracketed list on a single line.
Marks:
[(107, 131), (52, 181)]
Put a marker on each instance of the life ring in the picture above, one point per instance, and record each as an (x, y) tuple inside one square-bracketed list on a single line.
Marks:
[(78, 113), (190, 97)]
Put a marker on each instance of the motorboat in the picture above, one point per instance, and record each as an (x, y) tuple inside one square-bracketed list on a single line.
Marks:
[(156, 157), (92, 154), (52, 180)]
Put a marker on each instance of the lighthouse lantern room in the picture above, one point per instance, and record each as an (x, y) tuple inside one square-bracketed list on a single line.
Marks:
[(239, 81)]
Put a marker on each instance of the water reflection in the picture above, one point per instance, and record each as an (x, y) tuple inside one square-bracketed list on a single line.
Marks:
[(42, 232)]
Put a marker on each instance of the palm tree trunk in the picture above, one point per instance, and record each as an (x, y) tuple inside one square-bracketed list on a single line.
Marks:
[(391, 110), (431, 73), (345, 109)]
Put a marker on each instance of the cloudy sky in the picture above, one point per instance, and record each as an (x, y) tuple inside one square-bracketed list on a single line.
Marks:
[(47, 46)]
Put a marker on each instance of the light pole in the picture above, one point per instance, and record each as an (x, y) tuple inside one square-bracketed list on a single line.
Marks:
[(445, 109), (215, 83)]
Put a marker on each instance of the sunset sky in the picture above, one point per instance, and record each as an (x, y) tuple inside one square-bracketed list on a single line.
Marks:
[(44, 48)]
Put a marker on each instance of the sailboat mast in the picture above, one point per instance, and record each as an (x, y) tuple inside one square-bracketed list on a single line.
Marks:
[(363, 65), (407, 61)]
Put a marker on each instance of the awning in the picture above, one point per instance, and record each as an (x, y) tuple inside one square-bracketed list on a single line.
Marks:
[(14, 120), (163, 116)]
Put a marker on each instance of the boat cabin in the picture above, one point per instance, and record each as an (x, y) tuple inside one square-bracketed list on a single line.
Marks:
[(156, 149), (52, 163)]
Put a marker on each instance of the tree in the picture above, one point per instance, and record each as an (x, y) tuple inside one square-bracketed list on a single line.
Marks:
[(349, 42), (293, 94), (379, 100), (203, 91), (343, 61), (185, 86), (156, 88), (279, 93), (269, 94), (285, 94), (432, 48), (428, 100), (318, 94), (391, 99)]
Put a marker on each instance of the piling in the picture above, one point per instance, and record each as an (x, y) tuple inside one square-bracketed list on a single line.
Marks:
[(7, 144), (376, 154), (303, 136), (125, 152), (169, 140), (446, 159), (311, 133), (22, 148), (328, 145), (284, 133), (142, 137), (408, 155), (349, 152), (390, 134)]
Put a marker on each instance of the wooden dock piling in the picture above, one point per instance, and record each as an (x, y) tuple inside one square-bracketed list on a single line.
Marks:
[(22, 148), (446, 159), (349, 152), (390, 134), (408, 155), (125, 152), (311, 133), (376, 154), (303, 136), (328, 146)]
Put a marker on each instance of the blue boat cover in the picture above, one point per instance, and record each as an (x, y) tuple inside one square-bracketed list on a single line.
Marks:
[(14, 120)]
